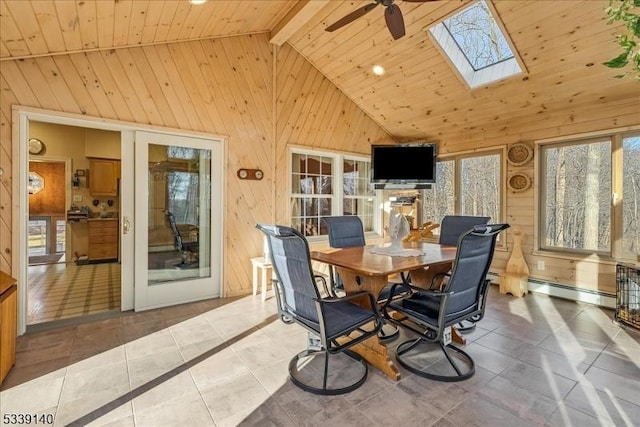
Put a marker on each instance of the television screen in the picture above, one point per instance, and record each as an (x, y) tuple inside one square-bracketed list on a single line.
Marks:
[(403, 164)]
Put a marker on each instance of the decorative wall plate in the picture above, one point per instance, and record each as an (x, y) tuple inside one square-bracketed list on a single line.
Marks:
[(518, 182), (519, 154)]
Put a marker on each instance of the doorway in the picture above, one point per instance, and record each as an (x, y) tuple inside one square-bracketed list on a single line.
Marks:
[(154, 287), (65, 280)]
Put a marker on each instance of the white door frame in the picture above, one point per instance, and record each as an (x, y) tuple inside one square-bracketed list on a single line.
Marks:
[(20, 202)]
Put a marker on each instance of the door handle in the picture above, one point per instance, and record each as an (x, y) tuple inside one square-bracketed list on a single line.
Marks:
[(125, 225)]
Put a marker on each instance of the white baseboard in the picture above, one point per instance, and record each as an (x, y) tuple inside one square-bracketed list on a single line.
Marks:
[(567, 292)]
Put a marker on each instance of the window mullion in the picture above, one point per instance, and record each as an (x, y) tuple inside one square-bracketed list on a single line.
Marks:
[(338, 182), (617, 175)]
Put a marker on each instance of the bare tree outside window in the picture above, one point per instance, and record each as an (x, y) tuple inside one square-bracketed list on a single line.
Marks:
[(577, 196), (478, 36), (440, 199), (631, 195), (479, 192)]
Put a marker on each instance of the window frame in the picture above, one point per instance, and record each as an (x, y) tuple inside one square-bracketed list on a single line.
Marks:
[(458, 158), (337, 197), (616, 250)]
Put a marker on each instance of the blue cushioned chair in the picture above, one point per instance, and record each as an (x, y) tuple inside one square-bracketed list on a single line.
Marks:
[(451, 228), (338, 322), (431, 313)]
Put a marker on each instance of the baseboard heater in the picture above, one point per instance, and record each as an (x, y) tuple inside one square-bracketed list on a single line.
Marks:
[(567, 292)]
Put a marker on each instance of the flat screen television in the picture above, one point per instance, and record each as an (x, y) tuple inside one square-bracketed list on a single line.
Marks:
[(406, 165)]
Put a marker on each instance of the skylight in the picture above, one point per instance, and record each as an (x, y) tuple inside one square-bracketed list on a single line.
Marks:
[(475, 44)]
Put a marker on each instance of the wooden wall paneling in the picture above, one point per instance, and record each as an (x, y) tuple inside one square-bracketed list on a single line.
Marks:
[(109, 86), (133, 94), (19, 86), (37, 81), (138, 83), (56, 83), (250, 77), (147, 86), (72, 79), (90, 80), (105, 11), (290, 80), (173, 87), (140, 11), (193, 82), (198, 64)]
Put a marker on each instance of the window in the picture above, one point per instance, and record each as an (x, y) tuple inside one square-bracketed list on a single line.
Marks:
[(580, 179), (476, 45), (465, 185), (328, 184)]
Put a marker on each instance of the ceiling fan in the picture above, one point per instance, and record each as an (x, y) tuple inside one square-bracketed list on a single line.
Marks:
[(392, 16)]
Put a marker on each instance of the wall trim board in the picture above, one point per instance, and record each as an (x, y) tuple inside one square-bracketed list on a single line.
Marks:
[(573, 293)]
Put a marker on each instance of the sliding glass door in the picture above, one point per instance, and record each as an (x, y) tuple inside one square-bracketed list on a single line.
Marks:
[(178, 219)]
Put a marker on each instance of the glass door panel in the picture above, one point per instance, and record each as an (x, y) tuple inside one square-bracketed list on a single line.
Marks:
[(175, 230)]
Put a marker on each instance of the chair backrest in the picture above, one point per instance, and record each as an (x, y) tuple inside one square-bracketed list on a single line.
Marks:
[(473, 259), (345, 231), (454, 226), (292, 264), (177, 238)]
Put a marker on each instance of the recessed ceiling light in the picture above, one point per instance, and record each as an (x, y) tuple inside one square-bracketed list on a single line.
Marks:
[(378, 70), (197, 1)]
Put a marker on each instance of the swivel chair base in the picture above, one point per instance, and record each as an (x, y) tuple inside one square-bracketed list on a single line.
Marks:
[(462, 364), (296, 375)]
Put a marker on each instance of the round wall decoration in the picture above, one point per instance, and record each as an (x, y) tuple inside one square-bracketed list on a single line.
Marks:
[(519, 154), (519, 182)]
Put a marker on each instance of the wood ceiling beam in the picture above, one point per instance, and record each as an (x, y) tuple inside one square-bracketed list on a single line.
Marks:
[(299, 15)]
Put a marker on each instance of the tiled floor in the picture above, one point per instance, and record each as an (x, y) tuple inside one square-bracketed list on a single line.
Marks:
[(539, 361), (66, 290)]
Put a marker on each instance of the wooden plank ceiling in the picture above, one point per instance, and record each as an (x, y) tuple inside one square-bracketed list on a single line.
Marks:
[(561, 43)]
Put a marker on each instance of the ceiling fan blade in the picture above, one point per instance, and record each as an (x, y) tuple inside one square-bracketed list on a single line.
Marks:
[(395, 22), (419, 1), (351, 17)]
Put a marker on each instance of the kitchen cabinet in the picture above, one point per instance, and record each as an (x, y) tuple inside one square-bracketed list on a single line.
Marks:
[(103, 177), (8, 324), (103, 239)]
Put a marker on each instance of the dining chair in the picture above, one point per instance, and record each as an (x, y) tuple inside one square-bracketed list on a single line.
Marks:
[(339, 322), (430, 313), (345, 232), (451, 228)]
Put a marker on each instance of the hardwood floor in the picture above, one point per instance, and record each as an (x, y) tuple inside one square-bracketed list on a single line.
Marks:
[(64, 291)]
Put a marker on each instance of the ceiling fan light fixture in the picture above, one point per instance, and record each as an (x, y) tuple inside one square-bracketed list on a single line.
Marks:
[(378, 70)]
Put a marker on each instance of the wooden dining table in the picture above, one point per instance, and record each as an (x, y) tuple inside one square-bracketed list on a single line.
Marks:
[(362, 270)]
